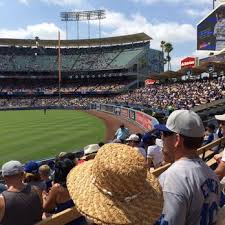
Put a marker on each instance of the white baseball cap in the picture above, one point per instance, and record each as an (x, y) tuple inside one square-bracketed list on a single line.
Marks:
[(89, 149), (184, 122), (220, 117), (133, 137)]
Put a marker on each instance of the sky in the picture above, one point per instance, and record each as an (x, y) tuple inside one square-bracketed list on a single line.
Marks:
[(169, 20)]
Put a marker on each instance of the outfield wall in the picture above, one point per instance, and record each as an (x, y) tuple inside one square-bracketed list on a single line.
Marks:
[(143, 120)]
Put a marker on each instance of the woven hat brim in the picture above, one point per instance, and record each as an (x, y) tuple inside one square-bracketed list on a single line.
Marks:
[(103, 209)]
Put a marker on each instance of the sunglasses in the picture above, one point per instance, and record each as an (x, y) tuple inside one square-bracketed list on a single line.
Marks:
[(167, 133)]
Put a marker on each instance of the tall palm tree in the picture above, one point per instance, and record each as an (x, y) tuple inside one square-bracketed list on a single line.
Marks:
[(162, 45), (168, 48)]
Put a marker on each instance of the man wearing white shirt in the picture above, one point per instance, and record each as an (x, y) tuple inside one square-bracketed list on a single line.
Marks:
[(154, 152), (191, 189)]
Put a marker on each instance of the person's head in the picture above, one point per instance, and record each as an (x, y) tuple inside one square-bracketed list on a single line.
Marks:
[(133, 140), (182, 135), (62, 168), (211, 128), (116, 188), (122, 126), (31, 169), (148, 139), (221, 121), (44, 172), (12, 171)]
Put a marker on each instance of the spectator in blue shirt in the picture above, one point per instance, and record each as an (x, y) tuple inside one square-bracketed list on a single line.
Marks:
[(122, 133)]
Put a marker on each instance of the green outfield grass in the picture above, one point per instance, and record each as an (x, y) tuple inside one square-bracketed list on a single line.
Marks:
[(26, 135)]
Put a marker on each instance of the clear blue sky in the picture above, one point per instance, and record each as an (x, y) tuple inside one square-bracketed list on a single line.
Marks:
[(169, 20)]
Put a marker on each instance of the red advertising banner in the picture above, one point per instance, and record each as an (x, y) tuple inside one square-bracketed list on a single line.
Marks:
[(124, 112), (149, 82), (188, 62), (144, 120)]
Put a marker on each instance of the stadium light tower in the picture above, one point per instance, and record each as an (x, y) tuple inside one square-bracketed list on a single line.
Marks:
[(83, 16), (214, 4)]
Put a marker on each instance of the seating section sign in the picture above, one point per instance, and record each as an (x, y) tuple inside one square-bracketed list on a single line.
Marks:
[(132, 114)]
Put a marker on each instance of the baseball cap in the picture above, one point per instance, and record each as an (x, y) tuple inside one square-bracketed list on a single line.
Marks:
[(220, 117), (184, 122), (133, 137), (148, 137), (31, 167), (12, 168), (89, 149)]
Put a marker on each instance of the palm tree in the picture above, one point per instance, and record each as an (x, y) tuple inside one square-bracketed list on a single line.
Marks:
[(168, 48), (162, 45)]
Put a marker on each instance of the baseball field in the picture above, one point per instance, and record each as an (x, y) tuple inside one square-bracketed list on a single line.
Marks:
[(26, 135)]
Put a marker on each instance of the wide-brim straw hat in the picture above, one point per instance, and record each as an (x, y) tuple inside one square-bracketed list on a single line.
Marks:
[(116, 188)]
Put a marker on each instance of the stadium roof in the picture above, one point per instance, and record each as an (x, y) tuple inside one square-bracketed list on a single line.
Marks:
[(125, 39)]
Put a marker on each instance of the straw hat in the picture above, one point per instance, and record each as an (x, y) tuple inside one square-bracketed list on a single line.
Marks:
[(116, 188)]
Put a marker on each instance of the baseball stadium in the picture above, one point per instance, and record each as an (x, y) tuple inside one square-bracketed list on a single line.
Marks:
[(103, 131)]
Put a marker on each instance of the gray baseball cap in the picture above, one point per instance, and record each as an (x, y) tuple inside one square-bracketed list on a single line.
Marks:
[(184, 122), (12, 168)]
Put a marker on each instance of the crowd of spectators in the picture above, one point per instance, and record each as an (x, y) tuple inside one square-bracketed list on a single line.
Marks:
[(176, 95), (50, 86), (185, 94)]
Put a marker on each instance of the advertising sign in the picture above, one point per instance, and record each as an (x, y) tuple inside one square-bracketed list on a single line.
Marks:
[(188, 62), (149, 82), (146, 121), (211, 31)]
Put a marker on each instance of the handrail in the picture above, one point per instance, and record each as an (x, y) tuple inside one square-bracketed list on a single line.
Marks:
[(203, 149), (200, 151), (161, 169), (61, 218)]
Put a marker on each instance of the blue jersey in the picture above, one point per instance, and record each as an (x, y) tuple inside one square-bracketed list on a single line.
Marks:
[(191, 193)]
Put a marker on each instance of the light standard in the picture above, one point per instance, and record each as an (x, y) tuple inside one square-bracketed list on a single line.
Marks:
[(214, 3)]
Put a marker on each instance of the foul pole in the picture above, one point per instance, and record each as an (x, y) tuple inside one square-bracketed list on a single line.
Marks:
[(59, 65)]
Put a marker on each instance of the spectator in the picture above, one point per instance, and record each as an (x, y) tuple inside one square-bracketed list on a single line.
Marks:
[(191, 189), (154, 153), (116, 188), (32, 175), (58, 198), (220, 131), (134, 141), (45, 173), (20, 203), (220, 170), (122, 133), (211, 136)]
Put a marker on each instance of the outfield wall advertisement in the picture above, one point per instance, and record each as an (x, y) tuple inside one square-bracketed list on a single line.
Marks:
[(211, 31), (144, 120)]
